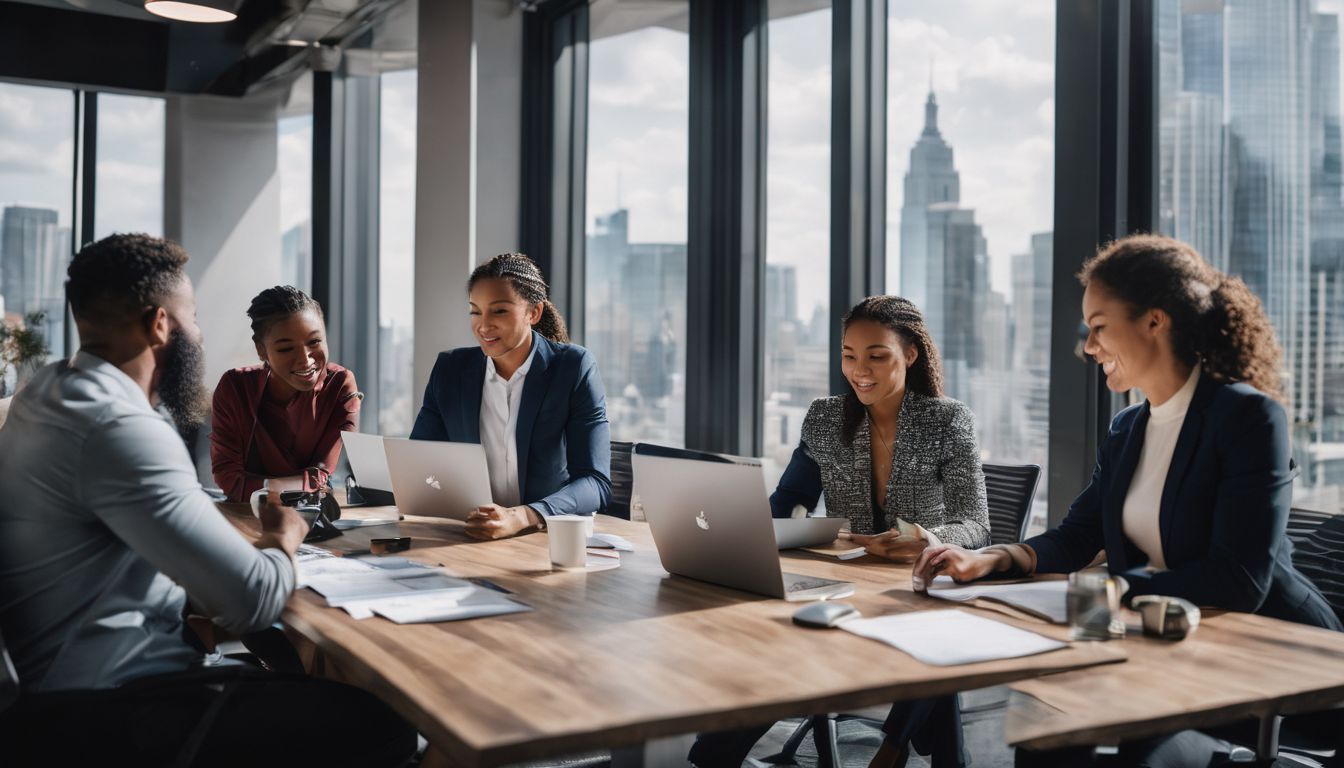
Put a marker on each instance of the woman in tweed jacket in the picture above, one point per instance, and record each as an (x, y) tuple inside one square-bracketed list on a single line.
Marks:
[(925, 468), (924, 464)]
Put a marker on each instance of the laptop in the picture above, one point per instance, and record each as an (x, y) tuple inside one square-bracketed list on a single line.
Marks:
[(794, 532), (437, 479), (710, 520), (368, 460)]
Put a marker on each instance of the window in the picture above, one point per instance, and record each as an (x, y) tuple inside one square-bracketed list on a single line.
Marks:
[(635, 305), (295, 137), (129, 194), (797, 272), (1250, 175), (37, 137), (396, 253), (970, 120)]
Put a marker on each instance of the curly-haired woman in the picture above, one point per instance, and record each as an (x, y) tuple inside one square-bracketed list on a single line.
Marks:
[(1191, 489), (900, 461), (276, 419)]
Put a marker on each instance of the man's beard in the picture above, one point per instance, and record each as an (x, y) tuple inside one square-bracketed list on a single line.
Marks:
[(181, 388)]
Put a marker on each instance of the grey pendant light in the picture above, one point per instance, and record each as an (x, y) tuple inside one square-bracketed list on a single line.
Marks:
[(201, 11)]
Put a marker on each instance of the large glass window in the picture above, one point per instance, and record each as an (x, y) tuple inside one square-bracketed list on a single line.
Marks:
[(970, 116), (797, 271), (129, 194), (635, 313), (396, 253), (37, 138), (295, 162), (1251, 175)]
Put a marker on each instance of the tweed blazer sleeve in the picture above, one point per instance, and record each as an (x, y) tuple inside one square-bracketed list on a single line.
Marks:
[(966, 521)]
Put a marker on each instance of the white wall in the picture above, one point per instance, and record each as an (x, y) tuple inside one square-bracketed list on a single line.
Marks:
[(467, 194)]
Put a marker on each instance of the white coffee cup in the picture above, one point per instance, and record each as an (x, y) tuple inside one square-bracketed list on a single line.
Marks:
[(568, 540), (258, 498)]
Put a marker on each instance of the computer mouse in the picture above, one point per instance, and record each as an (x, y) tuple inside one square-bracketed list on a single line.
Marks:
[(824, 614)]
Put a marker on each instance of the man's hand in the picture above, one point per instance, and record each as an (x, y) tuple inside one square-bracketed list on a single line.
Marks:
[(892, 545), (282, 527), (492, 521)]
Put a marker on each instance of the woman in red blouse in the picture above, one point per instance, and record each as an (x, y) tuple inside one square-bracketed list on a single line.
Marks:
[(276, 419)]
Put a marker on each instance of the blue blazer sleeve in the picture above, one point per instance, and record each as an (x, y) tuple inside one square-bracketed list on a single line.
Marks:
[(429, 422), (587, 449), (800, 484), (1075, 542), (1250, 515)]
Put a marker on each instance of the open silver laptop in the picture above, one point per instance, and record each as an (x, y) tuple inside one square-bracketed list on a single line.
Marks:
[(368, 460), (710, 520), (437, 479)]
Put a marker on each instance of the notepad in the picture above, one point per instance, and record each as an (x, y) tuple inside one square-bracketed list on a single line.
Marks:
[(1043, 599), (839, 549), (949, 637)]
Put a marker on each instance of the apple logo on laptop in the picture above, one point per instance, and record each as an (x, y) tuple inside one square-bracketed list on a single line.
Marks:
[(433, 482), (701, 521)]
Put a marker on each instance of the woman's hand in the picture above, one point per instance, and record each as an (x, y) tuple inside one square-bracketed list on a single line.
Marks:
[(492, 521), (951, 560), (891, 545)]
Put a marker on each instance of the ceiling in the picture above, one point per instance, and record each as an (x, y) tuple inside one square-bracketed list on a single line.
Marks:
[(117, 44)]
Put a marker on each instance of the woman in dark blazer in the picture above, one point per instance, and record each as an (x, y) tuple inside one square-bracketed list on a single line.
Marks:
[(900, 461), (534, 401), (1192, 487)]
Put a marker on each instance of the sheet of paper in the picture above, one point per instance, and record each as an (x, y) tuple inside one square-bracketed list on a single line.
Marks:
[(948, 637), (1045, 599), (840, 549), (346, 523), (610, 541), (420, 609), (320, 568)]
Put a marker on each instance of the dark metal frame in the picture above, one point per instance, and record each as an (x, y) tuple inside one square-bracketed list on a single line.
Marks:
[(858, 161), (725, 248), (554, 152)]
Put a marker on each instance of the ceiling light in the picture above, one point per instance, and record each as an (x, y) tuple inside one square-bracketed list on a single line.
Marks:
[(202, 11)]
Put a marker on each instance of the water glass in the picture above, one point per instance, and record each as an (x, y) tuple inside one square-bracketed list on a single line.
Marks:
[(1093, 605)]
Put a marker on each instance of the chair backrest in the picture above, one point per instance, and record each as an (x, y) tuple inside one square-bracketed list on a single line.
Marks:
[(1009, 489), (622, 480), (1319, 555), (9, 678)]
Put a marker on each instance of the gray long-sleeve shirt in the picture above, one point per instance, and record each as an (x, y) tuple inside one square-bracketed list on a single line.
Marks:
[(104, 531)]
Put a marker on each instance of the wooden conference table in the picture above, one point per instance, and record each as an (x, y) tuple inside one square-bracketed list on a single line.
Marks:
[(617, 657)]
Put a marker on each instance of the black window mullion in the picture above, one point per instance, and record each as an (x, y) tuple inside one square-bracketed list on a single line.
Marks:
[(726, 226)]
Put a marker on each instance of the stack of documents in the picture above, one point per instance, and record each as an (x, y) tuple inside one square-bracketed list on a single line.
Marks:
[(944, 638), (1043, 599), (398, 589)]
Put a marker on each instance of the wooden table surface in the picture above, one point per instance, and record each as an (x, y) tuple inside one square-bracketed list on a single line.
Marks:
[(616, 657), (1235, 666)]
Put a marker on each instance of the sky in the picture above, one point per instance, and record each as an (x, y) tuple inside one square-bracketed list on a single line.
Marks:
[(992, 65)]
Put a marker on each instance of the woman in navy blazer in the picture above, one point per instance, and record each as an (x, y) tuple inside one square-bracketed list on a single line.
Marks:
[(533, 399), (1207, 524)]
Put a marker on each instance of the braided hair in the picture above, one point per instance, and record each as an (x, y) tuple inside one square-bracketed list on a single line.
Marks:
[(525, 277), (1216, 320), (275, 304), (924, 376)]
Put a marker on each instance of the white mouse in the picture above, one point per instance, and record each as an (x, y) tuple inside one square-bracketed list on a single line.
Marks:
[(824, 614)]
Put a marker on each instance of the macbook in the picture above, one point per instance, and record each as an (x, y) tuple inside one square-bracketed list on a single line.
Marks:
[(437, 479), (710, 520), (368, 461)]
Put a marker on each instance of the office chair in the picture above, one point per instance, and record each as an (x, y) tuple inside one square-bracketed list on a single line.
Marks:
[(1009, 490), (622, 480), (9, 678)]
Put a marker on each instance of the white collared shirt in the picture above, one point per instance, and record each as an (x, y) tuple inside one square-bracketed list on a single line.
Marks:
[(1143, 501), (500, 401)]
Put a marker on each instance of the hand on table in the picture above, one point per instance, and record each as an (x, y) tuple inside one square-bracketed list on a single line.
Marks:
[(951, 560), (281, 527), (492, 521), (892, 545)]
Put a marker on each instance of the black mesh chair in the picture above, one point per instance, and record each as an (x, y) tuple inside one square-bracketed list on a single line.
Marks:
[(1009, 489), (622, 480), (9, 678)]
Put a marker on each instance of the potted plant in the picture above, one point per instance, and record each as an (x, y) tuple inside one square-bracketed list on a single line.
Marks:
[(22, 349)]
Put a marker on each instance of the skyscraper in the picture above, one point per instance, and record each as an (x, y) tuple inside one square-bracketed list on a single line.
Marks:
[(944, 256), (33, 251)]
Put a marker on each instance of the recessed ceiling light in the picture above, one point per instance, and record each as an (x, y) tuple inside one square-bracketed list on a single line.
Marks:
[(200, 11)]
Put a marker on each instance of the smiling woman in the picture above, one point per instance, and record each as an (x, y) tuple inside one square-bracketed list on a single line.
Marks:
[(276, 419)]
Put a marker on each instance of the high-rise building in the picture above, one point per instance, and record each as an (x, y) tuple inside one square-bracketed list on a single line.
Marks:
[(33, 254), (944, 257)]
